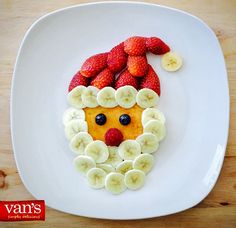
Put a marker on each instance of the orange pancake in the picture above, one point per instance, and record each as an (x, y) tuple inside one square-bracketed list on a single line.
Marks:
[(130, 131)]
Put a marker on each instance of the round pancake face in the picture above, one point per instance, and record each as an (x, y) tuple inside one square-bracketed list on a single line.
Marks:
[(129, 131)]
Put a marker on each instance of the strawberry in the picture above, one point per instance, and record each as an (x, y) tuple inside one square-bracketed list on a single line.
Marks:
[(151, 81), (135, 45), (117, 58), (77, 80), (156, 46), (126, 78), (93, 65), (137, 65), (113, 137), (103, 79)]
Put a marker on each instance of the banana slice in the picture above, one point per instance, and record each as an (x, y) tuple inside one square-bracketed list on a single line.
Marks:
[(126, 96), (74, 97), (144, 162), (74, 127), (106, 97), (107, 168), (96, 178), (124, 166), (79, 142), (89, 97), (171, 61), (114, 158), (83, 164), (73, 114), (155, 127), (114, 183), (98, 151), (134, 179), (129, 149), (147, 98), (152, 114), (149, 142)]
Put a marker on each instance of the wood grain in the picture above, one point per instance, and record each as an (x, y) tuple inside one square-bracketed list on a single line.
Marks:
[(217, 209)]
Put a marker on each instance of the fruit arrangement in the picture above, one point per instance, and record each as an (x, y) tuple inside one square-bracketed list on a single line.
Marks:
[(113, 124)]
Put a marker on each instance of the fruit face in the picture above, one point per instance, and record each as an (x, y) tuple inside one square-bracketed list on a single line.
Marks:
[(113, 125), (130, 131)]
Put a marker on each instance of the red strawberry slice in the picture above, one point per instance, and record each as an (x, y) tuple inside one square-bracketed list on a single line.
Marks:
[(135, 45), (94, 65), (117, 58), (103, 79), (151, 81), (126, 78), (77, 80), (137, 65), (156, 46)]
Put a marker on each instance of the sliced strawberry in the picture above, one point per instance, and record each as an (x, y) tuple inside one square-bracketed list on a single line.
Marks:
[(137, 65), (103, 79), (117, 58), (94, 65), (156, 46), (126, 78), (77, 80), (151, 81), (135, 45)]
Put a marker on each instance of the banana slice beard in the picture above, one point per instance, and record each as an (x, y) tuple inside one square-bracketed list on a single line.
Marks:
[(114, 183), (147, 98), (124, 166), (149, 142), (129, 149), (96, 178), (97, 150), (79, 142), (126, 96), (152, 114), (144, 162), (134, 179), (74, 97), (114, 158), (89, 97), (171, 61), (157, 128), (72, 114), (83, 164), (74, 127), (106, 97)]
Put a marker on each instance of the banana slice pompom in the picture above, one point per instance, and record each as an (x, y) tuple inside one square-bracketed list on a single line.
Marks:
[(171, 61)]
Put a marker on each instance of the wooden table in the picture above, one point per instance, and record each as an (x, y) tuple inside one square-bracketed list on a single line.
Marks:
[(218, 209)]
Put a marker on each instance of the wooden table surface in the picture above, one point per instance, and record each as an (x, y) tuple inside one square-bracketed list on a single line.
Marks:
[(218, 209)]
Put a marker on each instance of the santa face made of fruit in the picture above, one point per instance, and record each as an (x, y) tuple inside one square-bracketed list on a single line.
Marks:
[(114, 125)]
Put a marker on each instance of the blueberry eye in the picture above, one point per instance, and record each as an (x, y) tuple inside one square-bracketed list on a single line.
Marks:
[(124, 119), (101, 119)]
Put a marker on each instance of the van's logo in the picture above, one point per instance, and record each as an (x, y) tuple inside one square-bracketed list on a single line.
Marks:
[(22, 210)]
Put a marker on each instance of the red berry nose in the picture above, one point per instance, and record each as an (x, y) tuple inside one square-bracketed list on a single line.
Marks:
[(113, 137)]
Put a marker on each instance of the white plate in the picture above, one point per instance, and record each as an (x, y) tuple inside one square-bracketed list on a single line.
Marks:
[(195, 101)]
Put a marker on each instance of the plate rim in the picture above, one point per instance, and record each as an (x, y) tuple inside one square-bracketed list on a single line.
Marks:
[(151, 215)]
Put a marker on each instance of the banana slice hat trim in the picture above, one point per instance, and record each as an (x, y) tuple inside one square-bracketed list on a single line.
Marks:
[(126, 97)]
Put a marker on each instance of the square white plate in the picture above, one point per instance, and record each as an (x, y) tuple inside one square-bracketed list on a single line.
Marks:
[(195, 101)]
